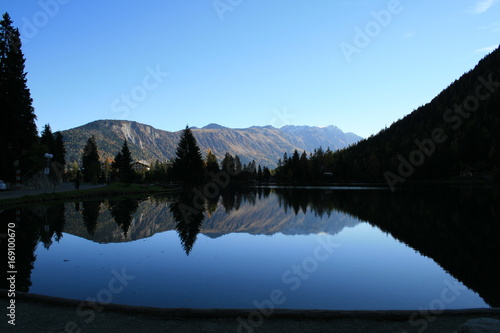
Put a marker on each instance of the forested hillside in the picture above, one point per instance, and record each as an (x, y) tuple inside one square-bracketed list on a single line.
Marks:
[(457, 133)]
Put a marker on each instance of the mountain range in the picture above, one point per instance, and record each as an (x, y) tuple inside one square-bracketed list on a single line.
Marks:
[(264, 144)]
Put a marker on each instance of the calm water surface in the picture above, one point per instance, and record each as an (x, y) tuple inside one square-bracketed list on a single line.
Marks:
[(316, 249)]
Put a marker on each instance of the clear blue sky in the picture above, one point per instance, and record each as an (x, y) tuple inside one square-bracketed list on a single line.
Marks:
[(247, 62)]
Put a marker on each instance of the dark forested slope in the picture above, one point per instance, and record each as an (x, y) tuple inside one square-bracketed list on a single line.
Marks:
[(458, 132)]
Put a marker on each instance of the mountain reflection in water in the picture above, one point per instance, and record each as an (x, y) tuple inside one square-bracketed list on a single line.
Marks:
[(458, 228)]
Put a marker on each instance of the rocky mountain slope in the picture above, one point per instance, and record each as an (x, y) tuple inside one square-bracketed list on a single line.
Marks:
[(264, 144)]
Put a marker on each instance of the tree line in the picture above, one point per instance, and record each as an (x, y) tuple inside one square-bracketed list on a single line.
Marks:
[(303, 167), (190, 168), (21, 147), (187, 168)]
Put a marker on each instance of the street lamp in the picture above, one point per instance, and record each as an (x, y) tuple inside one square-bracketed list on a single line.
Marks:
[(48, 157)]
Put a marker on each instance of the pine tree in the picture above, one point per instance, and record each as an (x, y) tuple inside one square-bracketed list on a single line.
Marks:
[(259, 173), (303, 165), (90, 161), (47, 139), (59, 149), (227, 164), (252, 168), (188, 163), (54, 144), (211, 162), (237, 165), (116, 165), (266, 174), (18, 132), (295, 164), (122, 164)]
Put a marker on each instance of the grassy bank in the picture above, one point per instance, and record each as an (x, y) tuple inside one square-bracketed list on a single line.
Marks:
[(112, 190)]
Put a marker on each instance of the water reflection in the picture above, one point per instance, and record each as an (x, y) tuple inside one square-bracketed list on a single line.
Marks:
[(123, 211), (90, 214), (188, 214), (456, 227)]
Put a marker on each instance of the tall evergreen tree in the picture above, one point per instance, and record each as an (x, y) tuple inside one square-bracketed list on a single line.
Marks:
[(295, 164), (117, 162), (54, 144), (211, 162), (303, 165), (122, 164), (188, 163), (227, 164), (59, 149), (47, 138), (90, 161), (237, 165), (266, 174), (18, 130)]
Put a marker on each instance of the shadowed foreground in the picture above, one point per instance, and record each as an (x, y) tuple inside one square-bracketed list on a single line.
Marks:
[(48, 314)]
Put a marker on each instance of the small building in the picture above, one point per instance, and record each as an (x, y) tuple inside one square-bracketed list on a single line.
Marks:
[(140, 166), (169, 163)]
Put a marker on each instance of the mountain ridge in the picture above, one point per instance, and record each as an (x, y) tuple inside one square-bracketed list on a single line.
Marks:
[(264, 144)]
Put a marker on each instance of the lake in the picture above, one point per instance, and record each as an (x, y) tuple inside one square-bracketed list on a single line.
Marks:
[(299, 248)]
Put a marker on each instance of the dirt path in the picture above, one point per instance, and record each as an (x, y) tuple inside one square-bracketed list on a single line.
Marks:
[(37, 314)]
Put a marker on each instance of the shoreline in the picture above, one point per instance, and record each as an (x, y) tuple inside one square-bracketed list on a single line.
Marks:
[(24, 198), (19, 199), (235, 313), (53, 314)]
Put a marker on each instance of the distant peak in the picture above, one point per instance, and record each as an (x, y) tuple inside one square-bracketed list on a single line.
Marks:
[(296, 127), (213, 126), (267, 127)]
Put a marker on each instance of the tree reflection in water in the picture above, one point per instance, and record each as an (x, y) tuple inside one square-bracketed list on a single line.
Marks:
[(90, 214), (123, 211), (188, 215)]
